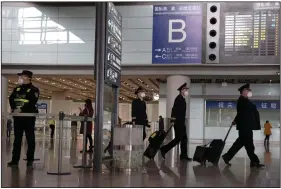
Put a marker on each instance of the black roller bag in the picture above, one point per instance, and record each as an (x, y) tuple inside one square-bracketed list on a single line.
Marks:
[(212, 153), (155, 141)]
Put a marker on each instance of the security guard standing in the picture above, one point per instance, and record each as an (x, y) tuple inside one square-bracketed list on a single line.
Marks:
[(246, 120), (178, 119), (23, 100), (139, 116)]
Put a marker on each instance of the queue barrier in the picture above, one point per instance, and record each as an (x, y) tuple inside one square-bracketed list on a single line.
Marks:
[(61, 117)]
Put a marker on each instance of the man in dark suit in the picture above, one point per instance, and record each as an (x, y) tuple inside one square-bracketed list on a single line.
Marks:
[(178, 119), (246, 120), (139, 116)]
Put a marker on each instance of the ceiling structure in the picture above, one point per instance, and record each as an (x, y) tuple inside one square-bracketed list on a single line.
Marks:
[(82, 87)]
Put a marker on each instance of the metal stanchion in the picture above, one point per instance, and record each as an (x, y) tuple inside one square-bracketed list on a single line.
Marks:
[(61, 118), (84, 159)]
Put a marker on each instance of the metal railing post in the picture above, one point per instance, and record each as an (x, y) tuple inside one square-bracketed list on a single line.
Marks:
[(84, 159), (61, 118)]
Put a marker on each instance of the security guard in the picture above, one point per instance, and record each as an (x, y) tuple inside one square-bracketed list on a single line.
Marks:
[(178, 119), (23, 100), (139, 116), (246, 120)]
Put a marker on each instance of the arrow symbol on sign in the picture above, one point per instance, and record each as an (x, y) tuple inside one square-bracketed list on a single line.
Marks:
[(157, 56), (158, 50)]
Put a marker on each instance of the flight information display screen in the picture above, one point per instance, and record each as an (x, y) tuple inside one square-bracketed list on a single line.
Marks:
[(253, 33)]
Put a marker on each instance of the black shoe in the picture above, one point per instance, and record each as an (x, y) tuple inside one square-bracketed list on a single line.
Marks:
[(185, 157), (257, 165), (162, 153), (226, 161), (29, 164), (13, 164)]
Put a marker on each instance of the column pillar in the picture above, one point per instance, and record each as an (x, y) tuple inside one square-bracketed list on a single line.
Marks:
[(4, 104), (162, 100)]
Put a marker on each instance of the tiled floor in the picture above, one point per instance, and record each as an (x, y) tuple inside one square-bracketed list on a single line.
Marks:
[(158, 173)]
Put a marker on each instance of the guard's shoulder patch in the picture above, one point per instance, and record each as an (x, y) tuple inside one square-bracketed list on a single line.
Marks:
[(18, 89), (36, 94)]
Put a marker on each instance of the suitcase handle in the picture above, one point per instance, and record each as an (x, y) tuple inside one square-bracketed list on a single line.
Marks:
[(228, 132)]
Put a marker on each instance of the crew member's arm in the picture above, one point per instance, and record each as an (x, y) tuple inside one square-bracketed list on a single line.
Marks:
[(175, 109), (146, 121), (11, 100), (134, 111), (33, 97)]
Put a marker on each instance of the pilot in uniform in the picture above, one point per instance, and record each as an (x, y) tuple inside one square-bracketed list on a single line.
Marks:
[(139, 116), (23, 100), (178, 119), (246, 120)]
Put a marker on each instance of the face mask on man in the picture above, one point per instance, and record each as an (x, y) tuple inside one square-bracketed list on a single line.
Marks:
[(142, 95), (20, 81), (249, 94), (185, 93)]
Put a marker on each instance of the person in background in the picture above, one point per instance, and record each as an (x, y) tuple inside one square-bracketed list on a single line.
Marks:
[(267, 132), (74, 129), (161, 123), (111, 138), (23, 100), (178, 118), (139, 116), (246, 120), (89, 112), (9, 128), (52, 124)]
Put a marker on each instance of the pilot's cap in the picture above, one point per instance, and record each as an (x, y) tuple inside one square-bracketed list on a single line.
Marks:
[(184, 86), (140, 89), (243, 87), (26, 73)]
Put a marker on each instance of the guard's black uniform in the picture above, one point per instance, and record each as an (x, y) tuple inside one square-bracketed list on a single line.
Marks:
[(24, 97), (178, 116), (139, 115), (247, 120)]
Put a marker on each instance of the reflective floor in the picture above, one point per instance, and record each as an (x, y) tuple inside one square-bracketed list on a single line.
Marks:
[(169, 173)]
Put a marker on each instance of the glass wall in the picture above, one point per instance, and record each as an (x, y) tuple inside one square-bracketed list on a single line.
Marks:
[(222, 113)]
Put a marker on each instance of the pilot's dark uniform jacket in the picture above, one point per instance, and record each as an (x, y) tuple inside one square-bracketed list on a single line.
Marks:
[(138, 113), (178, 117), (24, 98), (247, 120)]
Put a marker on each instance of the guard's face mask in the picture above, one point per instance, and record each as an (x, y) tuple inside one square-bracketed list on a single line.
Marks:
[(249, 94), (20, 81)]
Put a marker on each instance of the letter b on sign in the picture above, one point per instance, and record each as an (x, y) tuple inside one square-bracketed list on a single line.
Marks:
[(178, 30)]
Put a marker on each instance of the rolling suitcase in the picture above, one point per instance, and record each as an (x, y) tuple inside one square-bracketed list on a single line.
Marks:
[(155, 141), (216, 148), (200, 154)]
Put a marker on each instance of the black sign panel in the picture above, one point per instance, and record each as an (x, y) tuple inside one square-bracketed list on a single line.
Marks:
[(113, 46)]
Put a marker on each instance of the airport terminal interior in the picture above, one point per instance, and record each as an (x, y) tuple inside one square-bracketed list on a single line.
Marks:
[(149, 45)]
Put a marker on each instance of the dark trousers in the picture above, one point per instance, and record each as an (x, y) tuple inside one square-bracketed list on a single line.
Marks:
[(89, 137), (245, 139), (27, 125), (266, 138), (8, 133), (143, 123), (52, 127), (180, 137)]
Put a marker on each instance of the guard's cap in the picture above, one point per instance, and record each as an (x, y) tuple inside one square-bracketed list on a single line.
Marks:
[(184, 86), (26, 73), (246, 86), (140, 89)]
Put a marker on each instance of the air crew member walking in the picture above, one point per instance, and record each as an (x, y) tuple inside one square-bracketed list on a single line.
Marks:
[(178, 119), (246, 120), (139, 116), (23, 100)]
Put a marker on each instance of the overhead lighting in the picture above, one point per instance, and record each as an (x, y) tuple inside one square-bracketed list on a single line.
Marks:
[(155, 97)]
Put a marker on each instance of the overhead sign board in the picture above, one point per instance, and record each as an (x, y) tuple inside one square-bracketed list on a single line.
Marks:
[(273, 104), (113, 46), (177, 34)]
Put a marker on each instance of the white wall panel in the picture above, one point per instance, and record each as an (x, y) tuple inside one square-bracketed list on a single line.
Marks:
[(73, 46), (143, 22), (6, 23), (75, 58), (36, 58), (6, 46), (87, 35), (6, 57), (6, 35), (136, 11), (76, 12), (136, 46), (77, 23), (43, 48), (196, 123), (137, 34), (136, 58)]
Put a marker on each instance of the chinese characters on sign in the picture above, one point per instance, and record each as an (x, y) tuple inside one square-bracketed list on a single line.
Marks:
[(177, 34), (113, 46), (273, 105)]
